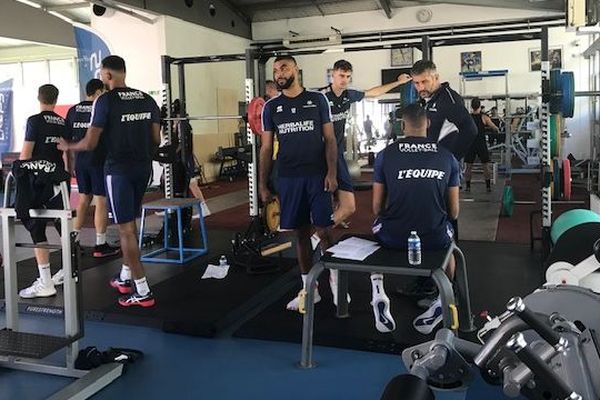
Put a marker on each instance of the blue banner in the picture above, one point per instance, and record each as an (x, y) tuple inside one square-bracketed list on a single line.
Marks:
[(6, 115), (91, 49)]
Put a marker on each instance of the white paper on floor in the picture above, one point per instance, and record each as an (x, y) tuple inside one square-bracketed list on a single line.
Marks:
[(215, 271)]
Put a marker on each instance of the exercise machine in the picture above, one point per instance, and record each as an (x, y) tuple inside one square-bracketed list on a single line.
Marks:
[(545, 346), (26, 351)]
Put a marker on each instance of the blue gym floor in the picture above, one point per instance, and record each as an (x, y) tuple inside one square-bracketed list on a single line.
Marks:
[(184, 367)]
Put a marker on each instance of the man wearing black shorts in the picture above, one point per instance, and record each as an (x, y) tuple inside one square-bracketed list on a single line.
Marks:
[(127, 122), (479, 147), (42, 135), (341, 98), (306, 161)]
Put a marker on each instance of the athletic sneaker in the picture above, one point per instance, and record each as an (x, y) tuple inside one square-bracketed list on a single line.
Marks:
[(136, 299), (426, 322), (426, 302), (58, 278), (333, 284), (124, 287), (384, 322), (38, 289), (105, 250), (294, 304)]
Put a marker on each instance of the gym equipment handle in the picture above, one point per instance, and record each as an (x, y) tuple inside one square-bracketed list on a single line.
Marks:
[(540, 369), (517, 305)]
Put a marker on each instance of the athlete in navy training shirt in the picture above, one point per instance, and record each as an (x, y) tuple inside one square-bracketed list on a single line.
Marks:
[(340, 99), (127, 122), (42, 135), (89, 171), (306, 161), (416, 184)]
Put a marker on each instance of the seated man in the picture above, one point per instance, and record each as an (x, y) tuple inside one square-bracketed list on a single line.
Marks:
[(416, 184)]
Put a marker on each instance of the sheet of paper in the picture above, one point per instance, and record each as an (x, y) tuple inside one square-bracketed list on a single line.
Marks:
[(358, 253), (215, 272), (358, 242)]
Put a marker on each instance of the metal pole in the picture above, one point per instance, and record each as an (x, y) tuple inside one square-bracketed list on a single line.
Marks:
[(546, 156), (253, 166), (426, 48), (166, 77), (262, 74), (181, 76)]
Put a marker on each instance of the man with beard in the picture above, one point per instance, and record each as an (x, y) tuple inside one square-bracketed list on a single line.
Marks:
[(306, 160), (451, 124)]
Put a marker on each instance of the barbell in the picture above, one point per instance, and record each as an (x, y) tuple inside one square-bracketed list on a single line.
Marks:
[(254, 116)]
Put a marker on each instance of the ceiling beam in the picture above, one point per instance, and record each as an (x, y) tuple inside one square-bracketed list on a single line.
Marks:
[(386, 6), (223, 16), (66, 7), (537, 5)]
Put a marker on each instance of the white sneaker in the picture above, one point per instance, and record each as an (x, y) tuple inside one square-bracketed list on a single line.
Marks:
[(38, 289), (205, 211), (384, 322), (333, 284), (426, 322), (58, 278), (294, 305)]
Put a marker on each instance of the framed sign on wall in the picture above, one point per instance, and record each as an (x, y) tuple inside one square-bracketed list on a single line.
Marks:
[(402, 57)]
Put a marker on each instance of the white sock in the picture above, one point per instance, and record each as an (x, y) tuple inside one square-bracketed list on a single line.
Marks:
[(100, 238), (142, 286), (303, 276), (377, 284), (76, 232), (45, 274), (125, 273)]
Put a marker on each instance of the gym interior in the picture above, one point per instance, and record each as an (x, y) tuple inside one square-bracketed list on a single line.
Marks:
[(229, 316)]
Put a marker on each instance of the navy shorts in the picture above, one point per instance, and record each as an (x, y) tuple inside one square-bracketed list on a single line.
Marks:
[(37, 226), (90, 179), (343, 175), (125, 194), (304, 202), (436, 241)]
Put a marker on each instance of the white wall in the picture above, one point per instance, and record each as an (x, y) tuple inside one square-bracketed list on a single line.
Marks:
[(513, 56), (140, 43)]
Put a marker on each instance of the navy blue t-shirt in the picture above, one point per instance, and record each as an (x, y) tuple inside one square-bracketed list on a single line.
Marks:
[(126, 116), (450, 122), (77, 123), (45, 129), (340, 109), (417, 173), (298, 124)]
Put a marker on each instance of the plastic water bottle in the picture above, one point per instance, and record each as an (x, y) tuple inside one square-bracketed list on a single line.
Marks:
[(223, 261), (414, 249)]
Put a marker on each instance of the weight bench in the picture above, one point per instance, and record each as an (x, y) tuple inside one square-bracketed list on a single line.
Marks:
[(389, 261), (173, 206)]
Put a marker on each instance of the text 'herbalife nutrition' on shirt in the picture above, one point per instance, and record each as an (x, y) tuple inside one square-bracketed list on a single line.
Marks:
[(340, 110), (417, 173), (45, 130), (126, 116), (298, 124)]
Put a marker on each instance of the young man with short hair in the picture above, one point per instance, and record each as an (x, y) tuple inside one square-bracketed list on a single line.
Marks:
[(415, 188), (341, 98), (42, 134), (127, 121)]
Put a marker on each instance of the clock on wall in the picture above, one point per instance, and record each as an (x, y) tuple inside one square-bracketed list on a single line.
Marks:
[(424, 15), (402, 57)]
